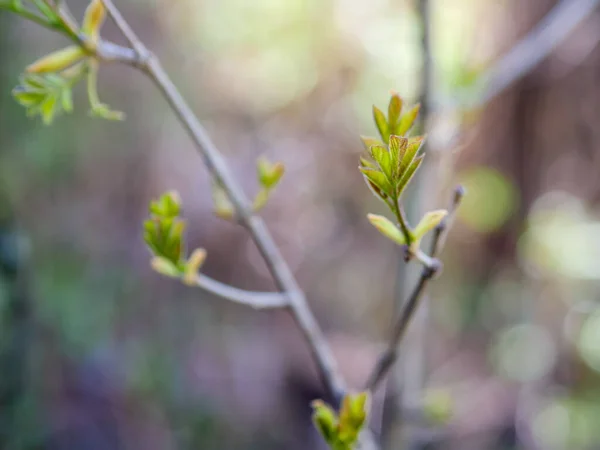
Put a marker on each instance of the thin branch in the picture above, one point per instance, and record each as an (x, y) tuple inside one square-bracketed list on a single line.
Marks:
[(216, 164), (528, 52), (523, 57), (390, 354), (256, 300)]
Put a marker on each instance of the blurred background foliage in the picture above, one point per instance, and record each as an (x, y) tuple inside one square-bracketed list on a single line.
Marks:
[(98, 352)]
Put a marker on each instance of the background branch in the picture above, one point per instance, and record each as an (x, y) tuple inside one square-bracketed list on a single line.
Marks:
[(390, 354), (519, 61)]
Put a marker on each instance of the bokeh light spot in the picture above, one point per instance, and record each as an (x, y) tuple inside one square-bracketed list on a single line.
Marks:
[(491, 199), (523, 353)]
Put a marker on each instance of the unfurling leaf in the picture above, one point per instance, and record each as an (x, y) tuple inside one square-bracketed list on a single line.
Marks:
[(325, 421), (193, 265), (394, 110), (384, 161), (93, 20), (414, 144), (341, 433), (364, 162), (46, 95), (164, 267), (223, 206), (378, 182), (58, 60), (381, 122), (387, 228), (163, 231), (269, 174), (353, 415), (407, 121), (429, 221), (397, 147), (260, 200), (168, 205), (409, 173)]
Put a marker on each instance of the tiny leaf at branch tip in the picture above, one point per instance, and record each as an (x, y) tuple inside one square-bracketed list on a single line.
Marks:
[(387, 228), (193, 265), (429, 221), (223, 208), (381, 123), (341, 431), (57, 61), (407, 120), (261, 199), (269, 174), (164, 267), (94, 17), (394, 110)]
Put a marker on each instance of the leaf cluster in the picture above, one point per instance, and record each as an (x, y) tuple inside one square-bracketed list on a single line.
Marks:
[(163, 233), (341, 431), (391, 162), (46, 87)]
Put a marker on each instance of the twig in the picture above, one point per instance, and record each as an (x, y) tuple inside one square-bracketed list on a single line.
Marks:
[(214, 161), (528, 52), (390, 354), (553, 29), (256, 300)]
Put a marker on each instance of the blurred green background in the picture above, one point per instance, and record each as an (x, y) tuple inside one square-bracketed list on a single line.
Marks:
[(98, 352)]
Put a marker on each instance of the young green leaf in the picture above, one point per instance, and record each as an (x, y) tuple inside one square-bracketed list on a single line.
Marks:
[(223, 207), (409, 173), (269, 174), (58, 60), (384, 161), (260, 201), (394, 110), (377, 181), (407, 121), (48, 108), (165, 267), (387, 228), (352, 417), (168, 205), (364, 162), (429, 221), (193, 265), (28, 98), (381, 122), (93, 19), (397, 145), (414, 144), (325, 421)]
